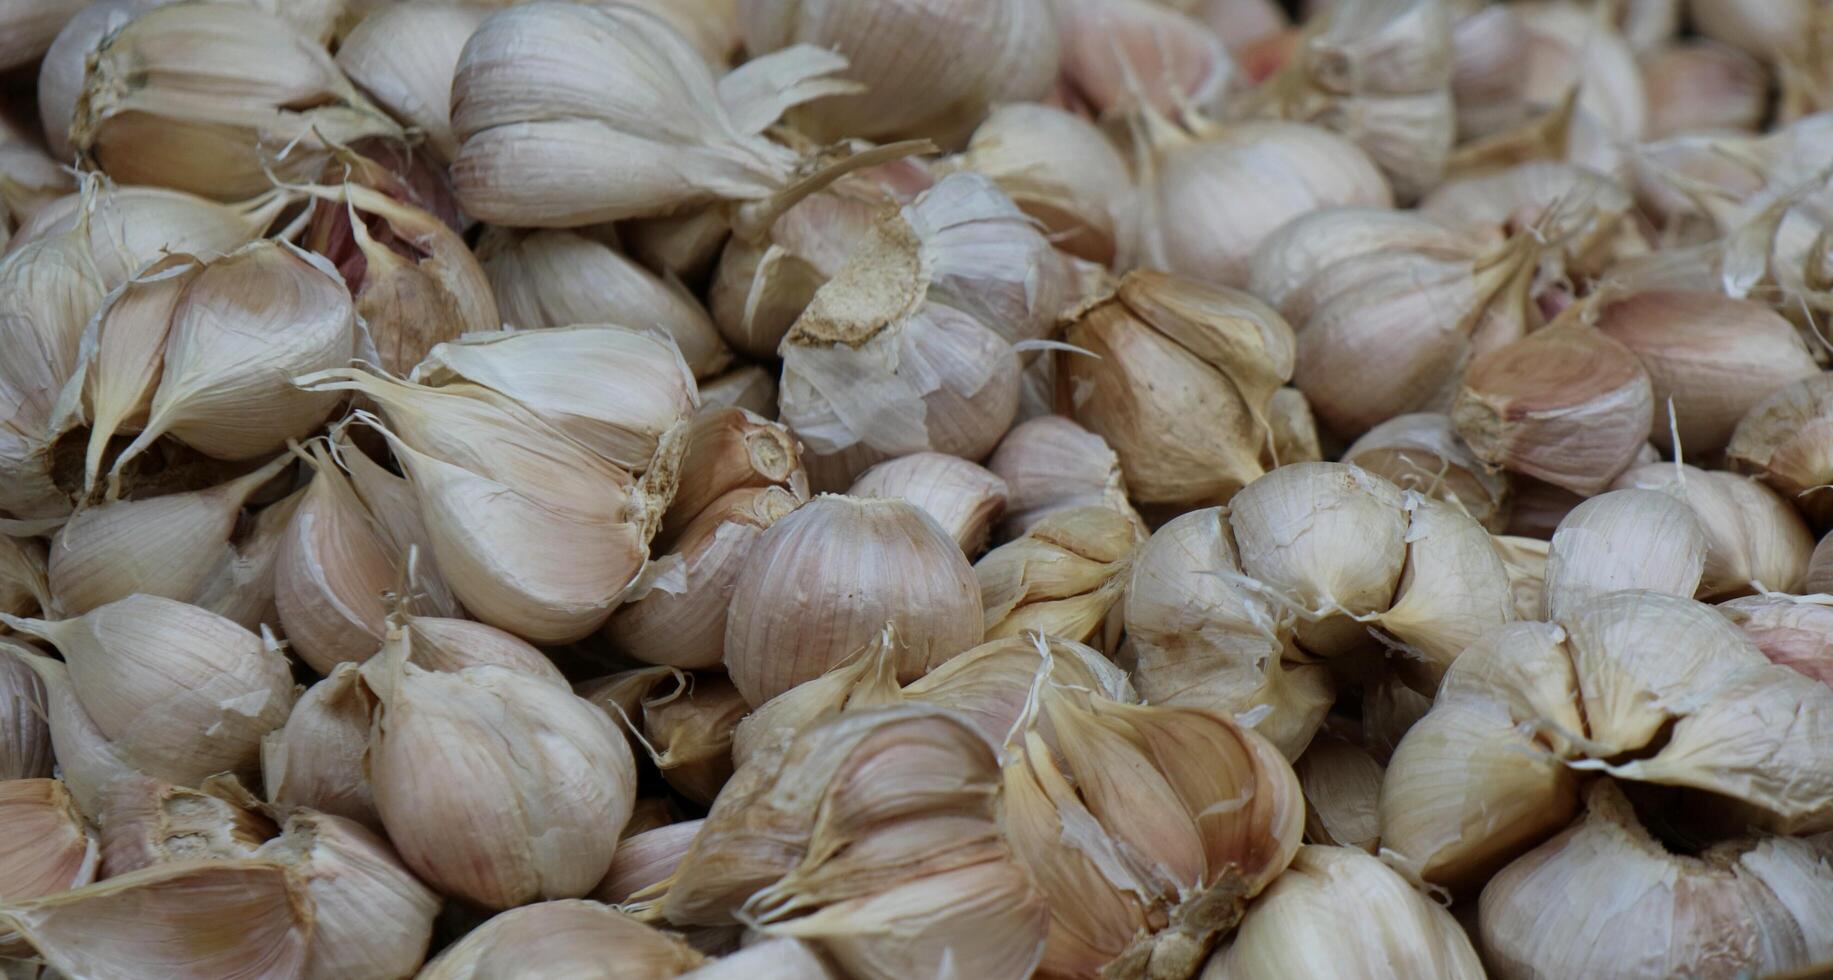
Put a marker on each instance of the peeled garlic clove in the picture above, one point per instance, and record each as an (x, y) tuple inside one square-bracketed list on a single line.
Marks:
[(316, 760), (693, 735), (750, 388), (24, 588), (404, 57), (495, 827), (1624, 539), (1455, 588), (1050, 464), (246, 326), (1787, 441), (1061, 170), (1062, 577), (1703, 86), (1296, 927), (645, 859), (1214, 357), (370, 917), (559, 278), (681, 622), (146, 822), (1422, 452), (732, 449), (963, 498), (1715, 357), (1746, 902), (1119, 55), (1566, 404), (25, 748), (567, 938), (126, 350), (853, 565), (1754, 540), (162, 546), (169, 920), (1342, 782), (769, 959), (48, 848), (183, 693), (131, 227)]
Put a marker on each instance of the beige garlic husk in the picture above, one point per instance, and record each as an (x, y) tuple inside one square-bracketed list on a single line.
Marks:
[(1755, 542), (732, 449), (1753, 904), (1210, 195), (1647, 689), (910, 345), (1064, 577), (315, 761), (1342, 785), (415, 281), (560, 278), (25, 749), (495, 827), (129, 227), (30, 25), (1713, 356), (1395, 300), (1379, 73), (998, 52), (645, 859), (1820, 569), (1703, 86), (1794, 631), (243, 328), (1180, 384), (1422, 452), (964, 498), (87, 761), (1166, 851), (182, 693), (1237, 610), (1063, 171), (571, 937), (1585, 216), (169, 546), (1762, 29), (1297, 926), (451, 645), (29, 178), (391, 502), (1623, 539), (1784, 440), (147, 821), (691, 735), (852, 565), (202, 98), (48, 847), (169, 920), (1051, 464), (1120, 54), (1567, 404), (712, 25), (60, 72), (403, 56), (1489, 64), (749, 387), (891, 877), (332, 573)]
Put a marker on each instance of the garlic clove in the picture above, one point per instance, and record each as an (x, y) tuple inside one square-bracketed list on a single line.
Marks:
[(87, 761), (331, 573), (25, 751), (240, 584), (1762, 29), (692, 734), (644, 860), (1703, 86), (404, 57), (1342, 784), (132, 227), (1754, 540), (60, 72), (1624, 539), (1062, 578), (1525, 560), (749, 387), (30, 26), (568, 938), (854, 565), (1050, 463), (390, 499), (1782, 441), (451, 645), (126, 348), (991, 684), (731, 449), (963, 498), (48, 847), (1422, 452), (1120, 55), (769, 959), (1489, 63), (1794, 632), (214, 918), (24, 587), (1286, 263), (1061, 170), (315, 761), (1455, 589)]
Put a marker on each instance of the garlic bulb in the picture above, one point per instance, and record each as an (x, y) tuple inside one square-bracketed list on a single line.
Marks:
[(181, 692), (1063, 171), (495, 827), (692, 734), (1209, 198), (1062, 577), (908, 346), (129, 228), (1571, 54), (1525, 559), (1624, 539), (48, 847), (414, 279), (1566, 404), (1782, 440), (1760, 903), (244, 327), (1703, 86), (1342, 783), (998, 52), (1297, 926), (451, 645), (732, 449), (1754, 540), (403, 57), (161, 546), (645, 859), (370, 917), (146, 822), (1051, 464), (87, 761), (1794, 631), (315, 761), (203, 98), (963, 498), (853, 565), (1198, 839), (1715, 357), (1119, 54), (25, 739), (1180, 384), (169, 920), (567, 938), (559, 278), (1422, 452)]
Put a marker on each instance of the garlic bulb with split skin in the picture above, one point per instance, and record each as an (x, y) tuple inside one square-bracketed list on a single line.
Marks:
[(147, 821), (25, 738), (403, 56), (1786, 440), (1063, 577), (1422, 451), (1755, 542), (1120, 54), (1063, 171), (963, 497), (1050, 464), (130, 227), (566, 938), (1584, 216), (203, 98)]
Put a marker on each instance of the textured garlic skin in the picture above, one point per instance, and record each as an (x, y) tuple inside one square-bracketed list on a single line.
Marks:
[(1061, 170), (963, 497), (1064, 577), (30, 27), (1703, 86), (316, 759), (645, 859), (1049, 464), (1755, 542), (404, 58), (130, 226), (568, 938), (1119, 55), (854, 564), (48, 847), (25, 737), (1625, 539), (1422, 452), (1794, 631), (1782, 440)]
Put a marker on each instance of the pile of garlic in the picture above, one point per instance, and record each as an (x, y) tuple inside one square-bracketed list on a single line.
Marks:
[(1130, 489)]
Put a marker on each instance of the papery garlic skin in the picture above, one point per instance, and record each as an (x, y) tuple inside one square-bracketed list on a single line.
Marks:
[(645, 859), (1342, 783), (130, 227), (30, 26), (146, 822), (732, 449), (1783, 441), (48, 848), (60, 72), (1422, 452), (1763, 29), (1624, 539), (404, 57), (692, 734), (1703, 86), (1049, 464), (1794, 631), (331, 573), (1754, 540), (963, 497), (1120, 55), (771, 959), (25, 738), (568, 938), (1061, 170), (1064, 577), (316, 759)]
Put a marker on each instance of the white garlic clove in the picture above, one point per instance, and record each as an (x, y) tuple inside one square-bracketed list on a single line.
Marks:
[(991, 684), (1754, 540), (60, 72), (451, 645), (25, 751), (390, 500), (1050, 463), (1455, 589), (1703, 86), (404, 58), (962, 497), (1120, 55), (644, 860), (1762, 29), (567, 938), (48, 847), (1061, 170), (1488, 71), (30, 26), (331, 573), (53, 287), (1061, 578), (1422, 452), (315, 760), (87, 761), (1624, 539), (1525, 560), (1585, 215), (1783, 441)]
